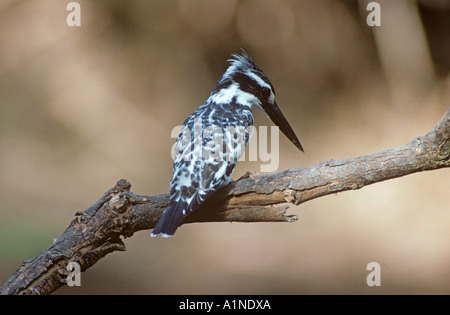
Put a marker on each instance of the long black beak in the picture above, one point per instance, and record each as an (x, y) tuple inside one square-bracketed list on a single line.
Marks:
[(278, 118)]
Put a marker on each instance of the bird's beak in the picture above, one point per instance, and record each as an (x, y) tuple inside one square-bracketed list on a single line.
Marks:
[(274, 113)]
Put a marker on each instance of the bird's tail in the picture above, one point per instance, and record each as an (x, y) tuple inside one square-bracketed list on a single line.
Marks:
[(170, 220)]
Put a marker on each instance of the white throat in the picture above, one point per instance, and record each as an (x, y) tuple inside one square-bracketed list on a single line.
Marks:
[(226, 95)]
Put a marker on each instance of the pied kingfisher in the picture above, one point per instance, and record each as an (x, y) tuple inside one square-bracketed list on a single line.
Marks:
[(215, 136)]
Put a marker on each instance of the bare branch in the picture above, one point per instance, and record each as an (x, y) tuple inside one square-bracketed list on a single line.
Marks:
[(119, 213)]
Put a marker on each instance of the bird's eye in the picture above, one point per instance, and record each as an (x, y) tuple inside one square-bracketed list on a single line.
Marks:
[(266, 93)]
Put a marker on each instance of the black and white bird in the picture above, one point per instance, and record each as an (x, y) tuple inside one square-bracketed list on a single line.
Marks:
[(215, 136)]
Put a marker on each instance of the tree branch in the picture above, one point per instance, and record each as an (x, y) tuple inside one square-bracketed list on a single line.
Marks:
[(119, 213)]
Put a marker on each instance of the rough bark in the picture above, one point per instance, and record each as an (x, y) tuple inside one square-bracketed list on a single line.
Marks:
[(119, 213)]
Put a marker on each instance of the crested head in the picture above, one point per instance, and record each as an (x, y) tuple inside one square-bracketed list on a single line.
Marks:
[(243, 64), (244, 83)]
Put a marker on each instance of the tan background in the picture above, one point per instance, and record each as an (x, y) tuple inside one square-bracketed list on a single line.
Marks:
[(81, 107)]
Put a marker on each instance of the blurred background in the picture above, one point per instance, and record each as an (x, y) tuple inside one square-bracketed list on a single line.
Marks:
[(81, 107)]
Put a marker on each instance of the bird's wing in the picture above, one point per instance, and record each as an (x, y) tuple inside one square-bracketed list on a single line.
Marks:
[(202, 166)]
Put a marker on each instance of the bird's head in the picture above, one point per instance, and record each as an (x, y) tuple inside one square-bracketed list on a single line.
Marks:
[(244, 84)]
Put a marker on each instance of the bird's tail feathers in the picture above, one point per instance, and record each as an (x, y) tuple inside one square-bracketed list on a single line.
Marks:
[(170, 220)]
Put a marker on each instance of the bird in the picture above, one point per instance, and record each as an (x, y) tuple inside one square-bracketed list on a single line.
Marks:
[(214, 137)]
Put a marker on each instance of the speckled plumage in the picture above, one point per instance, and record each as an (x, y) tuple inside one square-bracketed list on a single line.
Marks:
[(215, 136)]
